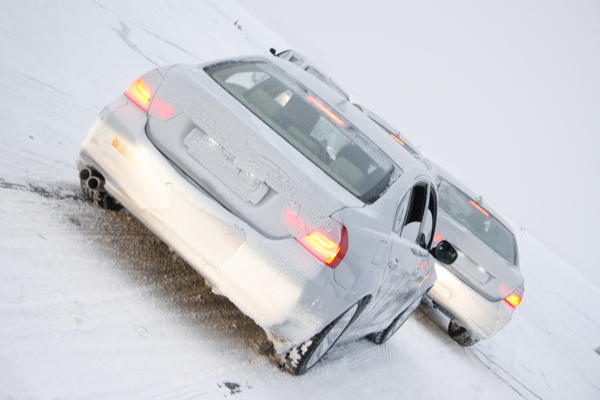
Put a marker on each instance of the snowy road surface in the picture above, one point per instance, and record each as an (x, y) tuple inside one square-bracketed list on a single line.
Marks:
[(92, 305)]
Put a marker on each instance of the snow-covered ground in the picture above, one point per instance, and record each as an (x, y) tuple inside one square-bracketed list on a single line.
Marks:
[(93, 305)]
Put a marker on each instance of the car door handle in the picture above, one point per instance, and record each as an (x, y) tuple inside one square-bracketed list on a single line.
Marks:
[(418, 252), (394, 264)]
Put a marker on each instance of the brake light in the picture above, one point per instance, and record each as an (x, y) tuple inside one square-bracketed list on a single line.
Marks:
[(327, 250), (326, 110), (397, 139), (514, 299), (140, 93), (481, 209)]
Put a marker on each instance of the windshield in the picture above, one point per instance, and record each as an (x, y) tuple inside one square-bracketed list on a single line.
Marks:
[(476, 219), (308, 124)]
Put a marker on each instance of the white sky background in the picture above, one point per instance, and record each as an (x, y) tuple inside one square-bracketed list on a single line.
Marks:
[(503, 94)]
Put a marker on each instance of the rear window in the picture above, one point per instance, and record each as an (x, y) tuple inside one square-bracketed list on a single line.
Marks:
[(478, 220), (308, 124)]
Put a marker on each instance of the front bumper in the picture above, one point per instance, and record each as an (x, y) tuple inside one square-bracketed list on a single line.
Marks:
[(481, 317), (275, 282)]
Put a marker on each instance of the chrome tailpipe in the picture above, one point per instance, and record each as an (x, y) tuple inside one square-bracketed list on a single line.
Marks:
[(92, 187), (91, 179)]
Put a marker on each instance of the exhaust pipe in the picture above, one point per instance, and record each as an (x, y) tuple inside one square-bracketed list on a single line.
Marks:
[(85, 174), (95, 183), (92, 186), (91, 179)]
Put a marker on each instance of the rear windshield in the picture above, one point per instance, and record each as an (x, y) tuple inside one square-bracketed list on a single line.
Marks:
[(308, 124), (477, 220)]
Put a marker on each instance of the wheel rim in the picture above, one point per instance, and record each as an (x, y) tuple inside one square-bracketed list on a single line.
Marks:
[(333, 334)]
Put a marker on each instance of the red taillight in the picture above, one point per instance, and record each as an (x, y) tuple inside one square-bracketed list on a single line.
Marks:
[(437, 238), (326, 239), (140, 93), (397, 139), (326, 249), (514, 299), (326, 110), (481, 209)]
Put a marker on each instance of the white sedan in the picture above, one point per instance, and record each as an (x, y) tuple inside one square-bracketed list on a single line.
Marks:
[(481, 290), (273, 187)]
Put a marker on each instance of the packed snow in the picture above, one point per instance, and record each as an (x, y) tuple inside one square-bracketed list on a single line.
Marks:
[(93, 305)]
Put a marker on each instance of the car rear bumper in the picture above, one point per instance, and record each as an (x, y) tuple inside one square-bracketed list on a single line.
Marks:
[(275, 282), (482, 317)]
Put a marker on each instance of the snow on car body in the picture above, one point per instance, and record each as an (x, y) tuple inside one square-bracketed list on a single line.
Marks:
[(264, 180), (481, 289)]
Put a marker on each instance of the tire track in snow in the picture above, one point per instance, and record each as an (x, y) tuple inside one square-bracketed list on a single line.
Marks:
[(168, 42), (46, 191), (125, 34), (504, 375)]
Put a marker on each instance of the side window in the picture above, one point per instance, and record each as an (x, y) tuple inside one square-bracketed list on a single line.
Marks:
[(429, 219), (414, 216), (409, 214)]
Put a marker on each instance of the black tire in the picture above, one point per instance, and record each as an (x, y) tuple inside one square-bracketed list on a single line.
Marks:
[(302, 358), (383, 336), (460, 334)]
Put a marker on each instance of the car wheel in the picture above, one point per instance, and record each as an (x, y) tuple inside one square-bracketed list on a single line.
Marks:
[(460, 334), (384, 335), (302, 358)]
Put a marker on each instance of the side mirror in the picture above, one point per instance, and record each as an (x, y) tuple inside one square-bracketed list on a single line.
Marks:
[(444, 252), (273, 51)]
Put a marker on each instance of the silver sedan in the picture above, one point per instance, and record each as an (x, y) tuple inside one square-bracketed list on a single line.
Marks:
[(481, 290), (276, 190)]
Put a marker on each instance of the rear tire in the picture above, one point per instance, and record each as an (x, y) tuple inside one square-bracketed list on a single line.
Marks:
[(302, 358), (460, 334)]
